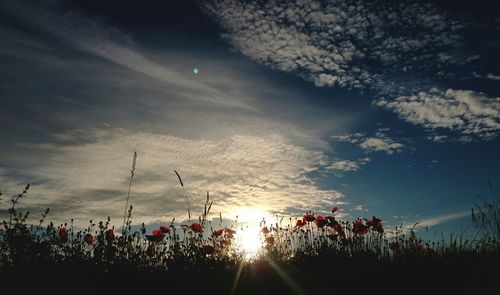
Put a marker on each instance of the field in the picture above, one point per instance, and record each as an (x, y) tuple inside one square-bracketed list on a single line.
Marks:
[(309, 255)]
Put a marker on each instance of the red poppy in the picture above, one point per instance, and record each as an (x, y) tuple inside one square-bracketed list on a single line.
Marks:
[(265, 230), (419, 246), (394, 246), (89, 239), (63, 233), (207, 249), (378, 227), (229, 231), (156, 236), (359, 227), (376, 223), (270, 240), (218, 233), (321, 221), (335, 209), (196, 227), (164, 229), (337, 227), (300, 223), (110, 235), (309, 217)]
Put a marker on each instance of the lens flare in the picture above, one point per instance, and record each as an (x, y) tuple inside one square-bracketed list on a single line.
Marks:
[(248, 236)]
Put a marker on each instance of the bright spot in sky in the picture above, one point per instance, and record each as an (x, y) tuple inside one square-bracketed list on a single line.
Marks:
[(196, 71), (248, 234)]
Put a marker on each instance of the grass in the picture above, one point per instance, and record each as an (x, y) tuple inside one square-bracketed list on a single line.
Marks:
[(308, 255)]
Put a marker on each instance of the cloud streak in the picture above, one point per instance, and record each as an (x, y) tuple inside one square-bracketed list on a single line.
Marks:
[(85, 178)]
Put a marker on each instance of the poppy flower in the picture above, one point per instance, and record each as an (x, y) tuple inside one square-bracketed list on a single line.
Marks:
[(196, 227), (164, 229), (337, 227), (207, 249), (394, 246), (335, 209), (218, 233), (270, 240), (265, 230), (156, 236), (419, 246), (309, 217), (63, 233), (300, 223), (229, 231), (359, 227), (89, 239), (110, 235), (321, 221)]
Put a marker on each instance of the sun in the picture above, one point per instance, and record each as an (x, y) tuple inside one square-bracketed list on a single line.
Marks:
[(248, 236)]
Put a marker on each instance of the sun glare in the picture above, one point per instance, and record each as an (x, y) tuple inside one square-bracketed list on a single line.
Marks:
[(248, 236)]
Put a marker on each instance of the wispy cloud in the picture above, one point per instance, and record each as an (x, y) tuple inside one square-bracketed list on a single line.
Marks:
[(85, 178)]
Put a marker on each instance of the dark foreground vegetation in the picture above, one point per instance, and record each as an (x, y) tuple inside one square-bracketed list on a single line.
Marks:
[(311, 255)]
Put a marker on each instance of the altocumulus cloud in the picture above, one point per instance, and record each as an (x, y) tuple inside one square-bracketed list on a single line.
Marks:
[(395, 50), (378, 142), (86, 174), (355, 44), (470, 113)]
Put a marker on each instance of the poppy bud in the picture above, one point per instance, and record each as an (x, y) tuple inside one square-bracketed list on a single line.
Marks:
[(89, 239)]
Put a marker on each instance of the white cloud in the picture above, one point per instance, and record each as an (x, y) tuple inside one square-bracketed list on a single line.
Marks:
[(347, 165), (86, 179), (385, 144), (466, 112), (354, 44), (380, 142)]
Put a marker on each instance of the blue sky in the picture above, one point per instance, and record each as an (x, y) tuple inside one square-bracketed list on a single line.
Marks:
[(387, 109)]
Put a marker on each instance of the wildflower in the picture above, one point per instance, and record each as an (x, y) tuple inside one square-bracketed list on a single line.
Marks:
[(335, 209), (89, 239), (270, 240), (419, 246), (156, 236), (110, 235), (265, 230), (218, 233), (207, 249), (337, 227), (165, 229), (309, 217), (394, 246), (359, 227), (300, 223), (376, 224), (321, 221), (196, 227), (63, 233)]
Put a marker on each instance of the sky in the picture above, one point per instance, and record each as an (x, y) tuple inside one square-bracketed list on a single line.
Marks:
[(386, 108)]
